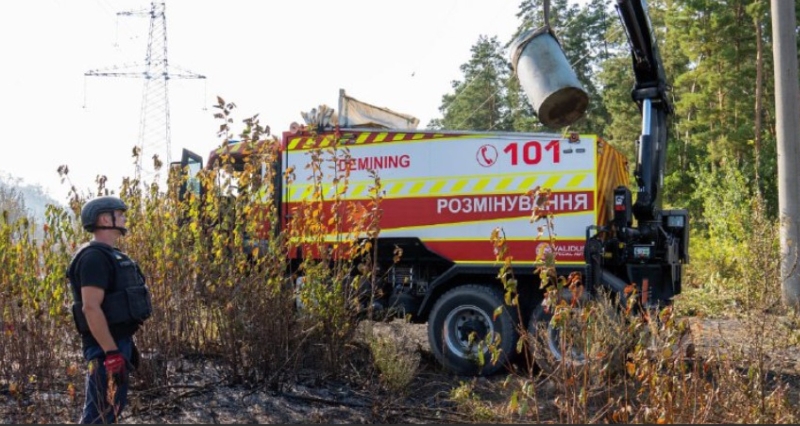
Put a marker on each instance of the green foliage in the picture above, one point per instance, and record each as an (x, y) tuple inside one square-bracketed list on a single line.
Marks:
[(33, 299), (479, 102), (735, 248)]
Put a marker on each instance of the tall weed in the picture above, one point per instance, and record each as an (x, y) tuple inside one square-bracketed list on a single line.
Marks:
[(221, 279)]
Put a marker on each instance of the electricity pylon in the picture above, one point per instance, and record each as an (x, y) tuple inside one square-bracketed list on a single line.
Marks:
[(154, 125)]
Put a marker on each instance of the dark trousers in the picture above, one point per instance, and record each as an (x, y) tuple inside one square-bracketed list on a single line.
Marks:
[(104, 403)]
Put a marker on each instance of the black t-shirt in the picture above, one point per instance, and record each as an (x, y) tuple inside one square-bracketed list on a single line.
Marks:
[(94, 268)]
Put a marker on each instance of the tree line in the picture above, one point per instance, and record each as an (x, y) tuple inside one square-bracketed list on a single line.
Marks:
[(718, 59)]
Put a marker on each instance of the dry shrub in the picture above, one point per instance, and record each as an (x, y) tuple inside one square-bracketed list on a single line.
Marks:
[(630, 364), (593, 337), (469, 403), (222, 283), (396, 359), (38, 369)]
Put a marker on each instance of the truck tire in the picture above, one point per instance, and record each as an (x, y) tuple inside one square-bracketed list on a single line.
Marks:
[(458, 313), (545, 345), (544, 340)]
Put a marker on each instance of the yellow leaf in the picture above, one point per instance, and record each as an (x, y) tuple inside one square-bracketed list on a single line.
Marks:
[(497, 312), (513, 405), (631, 368)]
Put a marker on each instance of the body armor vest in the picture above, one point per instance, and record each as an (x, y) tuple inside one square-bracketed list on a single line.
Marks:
[(127, 299)]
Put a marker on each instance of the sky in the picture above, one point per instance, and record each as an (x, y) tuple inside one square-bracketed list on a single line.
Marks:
[(271, 58)]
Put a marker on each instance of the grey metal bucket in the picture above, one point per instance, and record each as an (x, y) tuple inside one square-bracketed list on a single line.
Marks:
[(544, 72)]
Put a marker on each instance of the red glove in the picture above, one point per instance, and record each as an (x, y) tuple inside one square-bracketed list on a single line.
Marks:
[(114, 363)]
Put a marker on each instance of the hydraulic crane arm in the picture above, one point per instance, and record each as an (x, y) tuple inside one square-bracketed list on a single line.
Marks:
[(651, 252), (650, 94)]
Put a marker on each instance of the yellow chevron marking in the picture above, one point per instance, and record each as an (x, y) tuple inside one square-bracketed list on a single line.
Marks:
[(418, 136), (363, 137), (576, 180), (437, 187), (293, 143), (417, 188), (399, 137), (326, 141), (551, 182), (464, 185), (481, 184), (396, 188), (503, 184), (459, 185), (309, 143), (358, 189), (381, 137), (527, 183)]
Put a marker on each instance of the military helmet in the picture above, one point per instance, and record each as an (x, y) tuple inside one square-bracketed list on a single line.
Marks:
[(94, 208)]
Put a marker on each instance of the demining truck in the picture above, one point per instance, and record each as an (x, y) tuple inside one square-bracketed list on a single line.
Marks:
[(445, 192)]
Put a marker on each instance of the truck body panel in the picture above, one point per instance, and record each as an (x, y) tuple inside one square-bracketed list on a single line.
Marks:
[(451, 189)]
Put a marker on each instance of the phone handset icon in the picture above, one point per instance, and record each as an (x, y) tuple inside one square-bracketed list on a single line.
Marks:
[(487, 155)]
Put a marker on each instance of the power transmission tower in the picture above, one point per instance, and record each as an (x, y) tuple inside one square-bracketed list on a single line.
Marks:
[(154, 123)]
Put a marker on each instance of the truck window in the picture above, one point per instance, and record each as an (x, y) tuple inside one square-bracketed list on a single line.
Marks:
[(190, 164), (193, 183)]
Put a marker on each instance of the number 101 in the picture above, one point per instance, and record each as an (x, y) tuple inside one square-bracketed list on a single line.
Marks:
[(531, 152)]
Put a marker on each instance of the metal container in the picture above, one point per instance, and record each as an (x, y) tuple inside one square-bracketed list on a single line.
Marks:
[(546, 76)]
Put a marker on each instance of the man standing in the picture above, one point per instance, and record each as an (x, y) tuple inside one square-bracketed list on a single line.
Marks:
[(111, 303)]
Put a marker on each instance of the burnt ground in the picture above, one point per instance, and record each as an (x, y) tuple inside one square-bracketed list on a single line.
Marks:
[(195, 392)]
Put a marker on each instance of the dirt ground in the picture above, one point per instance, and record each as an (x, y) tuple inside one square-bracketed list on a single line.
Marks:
[(194, 393)]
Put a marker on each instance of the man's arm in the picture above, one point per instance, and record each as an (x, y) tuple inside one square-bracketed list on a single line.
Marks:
[(95, 273), (92, 299)]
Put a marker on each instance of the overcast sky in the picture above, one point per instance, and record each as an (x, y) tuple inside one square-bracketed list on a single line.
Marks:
[(274, 58)]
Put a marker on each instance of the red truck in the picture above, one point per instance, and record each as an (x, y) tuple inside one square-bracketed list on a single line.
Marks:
[(443, 195), (445, 192)]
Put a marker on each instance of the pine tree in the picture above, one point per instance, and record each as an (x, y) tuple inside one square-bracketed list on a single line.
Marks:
[(478, 102)]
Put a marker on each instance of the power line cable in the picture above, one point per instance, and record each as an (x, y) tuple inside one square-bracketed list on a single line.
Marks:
[(108, 7)]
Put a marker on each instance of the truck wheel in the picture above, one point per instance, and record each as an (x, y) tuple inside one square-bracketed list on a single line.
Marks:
[(566, 345), (546, 345), (459, 323)]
